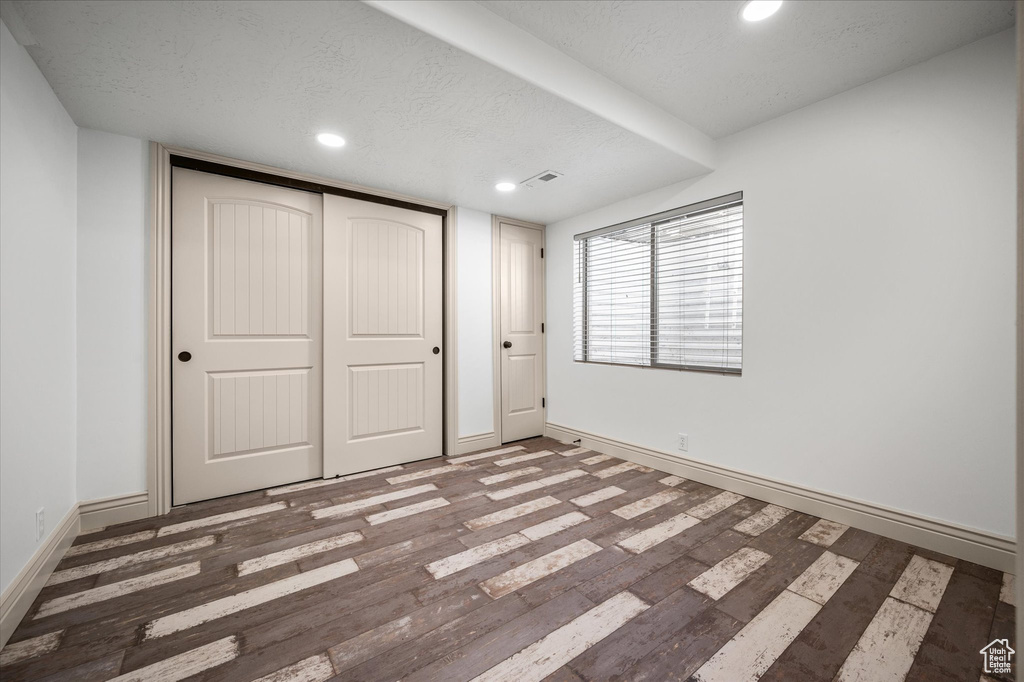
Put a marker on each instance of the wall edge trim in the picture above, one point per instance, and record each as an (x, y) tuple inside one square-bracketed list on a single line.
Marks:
[(109, 511), (18, 597), (972, 544)]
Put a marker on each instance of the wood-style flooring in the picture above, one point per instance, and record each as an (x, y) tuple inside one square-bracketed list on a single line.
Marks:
[(538, 561)]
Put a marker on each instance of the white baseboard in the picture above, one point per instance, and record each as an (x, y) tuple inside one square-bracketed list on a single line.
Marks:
[(479, 441), (981, 547), (113, 510), (19, 595)]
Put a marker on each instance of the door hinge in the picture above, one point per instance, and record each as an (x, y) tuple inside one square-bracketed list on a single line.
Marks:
[(542, 253), (541, 327), (543, 402)]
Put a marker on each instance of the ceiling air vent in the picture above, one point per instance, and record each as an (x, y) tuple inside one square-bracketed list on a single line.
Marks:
[(541, 179)]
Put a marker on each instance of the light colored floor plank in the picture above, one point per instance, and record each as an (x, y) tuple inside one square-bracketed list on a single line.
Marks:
[(718, 580), (523, 458), (922, 583), (1008, 592), (532, 571), (76, 572), (655, 535), (536, 485), (555, 525), (218, 519), (261, 563), (186, 664), (475, 555), (118, 589), (748, 655), (109, 543), (596, 459), (484, 455), (509, 513), (646, 504), (428, 473), (30, 648), (822, 578), (716, 504), (597, 496), (560, 646), (752, 651), (762, 520), (509, 475), (888, 646), (621, 469), (408, 510), (356, 506), (204, 613), (824, 533), (579, 451), (672, 480), (313, 669)]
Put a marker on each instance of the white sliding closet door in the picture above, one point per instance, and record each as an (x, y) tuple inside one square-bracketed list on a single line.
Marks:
[(383, 335), (246, 335)]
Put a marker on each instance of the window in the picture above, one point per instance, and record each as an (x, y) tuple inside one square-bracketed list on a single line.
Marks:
[(663, 291)]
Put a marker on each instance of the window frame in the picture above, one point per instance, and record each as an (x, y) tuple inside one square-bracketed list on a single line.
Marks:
[(706, 206)]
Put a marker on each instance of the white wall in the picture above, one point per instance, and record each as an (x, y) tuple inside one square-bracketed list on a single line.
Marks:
[(879, 300), (37, 306), (113, 174), (476, 368)]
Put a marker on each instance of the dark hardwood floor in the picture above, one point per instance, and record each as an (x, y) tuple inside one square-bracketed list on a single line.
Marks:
[(505, 565)]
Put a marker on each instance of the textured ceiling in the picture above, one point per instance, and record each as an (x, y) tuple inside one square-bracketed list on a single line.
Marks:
[(256, 81), (698, 61)]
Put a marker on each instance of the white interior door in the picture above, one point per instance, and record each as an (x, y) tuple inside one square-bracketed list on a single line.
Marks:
[(522, 340), (246, 335), (383, 333)]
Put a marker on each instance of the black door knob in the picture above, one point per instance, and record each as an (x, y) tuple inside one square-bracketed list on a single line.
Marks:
[(436, 350), (184, 356), (507, 344)]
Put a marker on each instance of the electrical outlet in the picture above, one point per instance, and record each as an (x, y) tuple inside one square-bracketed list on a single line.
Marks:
[(684, 442), (40, 524)]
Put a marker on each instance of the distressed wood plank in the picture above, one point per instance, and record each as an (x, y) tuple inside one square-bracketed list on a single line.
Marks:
[(531, 571), (922, 583), (545, 656), (523, 458), (509, 475), (359, 505), (285, 556), (597, 496), (219, 608), (219, 519), (115, 590), (513, 512), (408, 510), (646, 504), (762, 520), (888, 646), (536, 485), (185, 664), (824, 533), (718, 580)]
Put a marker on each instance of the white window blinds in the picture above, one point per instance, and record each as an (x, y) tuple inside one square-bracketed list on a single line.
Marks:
[(663, 291)]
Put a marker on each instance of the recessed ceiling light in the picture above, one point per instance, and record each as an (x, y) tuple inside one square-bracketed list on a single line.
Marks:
[(330, 140), (505, 186), (756, 10)]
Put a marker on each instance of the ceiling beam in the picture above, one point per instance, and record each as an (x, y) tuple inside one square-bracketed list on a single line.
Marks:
[(474, 29)]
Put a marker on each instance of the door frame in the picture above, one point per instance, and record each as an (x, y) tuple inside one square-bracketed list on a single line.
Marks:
[(158, 362), (496, 222)]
